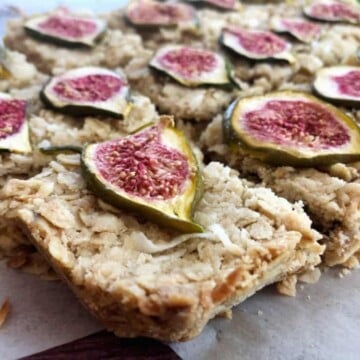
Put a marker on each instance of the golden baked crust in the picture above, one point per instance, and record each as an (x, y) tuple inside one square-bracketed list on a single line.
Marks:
[(117, 264)]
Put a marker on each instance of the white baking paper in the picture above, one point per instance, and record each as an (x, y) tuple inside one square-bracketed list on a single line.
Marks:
[(321, 323), (43, 314)]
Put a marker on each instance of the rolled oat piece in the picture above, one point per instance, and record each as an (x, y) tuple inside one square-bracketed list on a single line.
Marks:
[(140, 279), (330, 194)]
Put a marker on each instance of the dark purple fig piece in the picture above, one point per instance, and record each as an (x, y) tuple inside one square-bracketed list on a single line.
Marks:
[(67, 30), (292, 128), (220, 4), (333, 11), (339, 84), (191, 66), (14, 129), (256, 44), (153, 172), (151, 13), (302, 30), (88, 91)]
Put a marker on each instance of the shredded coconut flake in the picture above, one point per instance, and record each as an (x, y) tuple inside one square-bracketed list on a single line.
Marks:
[(143, 244), (140, 242), (221, 235)]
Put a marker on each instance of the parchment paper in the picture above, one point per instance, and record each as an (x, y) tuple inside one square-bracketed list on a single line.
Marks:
[(43, 315), (322, 322)]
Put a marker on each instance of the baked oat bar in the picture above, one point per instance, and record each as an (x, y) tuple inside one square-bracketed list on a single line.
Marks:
[(330, 194), (208, 25), (337, 44), (114, 50), (142, 280), (199, 104), (155, 36), (49, 129)]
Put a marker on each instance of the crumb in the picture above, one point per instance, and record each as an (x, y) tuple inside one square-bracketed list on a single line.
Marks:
[(259, 313), (308, 297), (287, 286), (227, 314), (4, 312), (311, 276), (344, 272)]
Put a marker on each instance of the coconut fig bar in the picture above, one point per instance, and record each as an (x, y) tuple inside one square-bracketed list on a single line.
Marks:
[(114, 49), (49, 130), (330, 194), (173, 79), (156, 23), (141, 279)]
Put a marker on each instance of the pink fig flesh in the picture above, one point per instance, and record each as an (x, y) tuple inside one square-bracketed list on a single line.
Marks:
[(143, 166), (12, 116), (188, 62), (225, 4), (334, 11), (66, 26), (152, 13), (301, 29), (296, 124), (349, 83), (262, 43), (94, 87)]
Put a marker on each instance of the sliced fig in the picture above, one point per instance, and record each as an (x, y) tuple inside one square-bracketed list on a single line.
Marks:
[(339, 84), (64, 29), (152, 13), (302, 30), (191, 66), (292, 128), (220, 4), (333, 11), (88, 91), (153, 172), (14, 129), (256, 44)]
